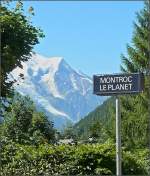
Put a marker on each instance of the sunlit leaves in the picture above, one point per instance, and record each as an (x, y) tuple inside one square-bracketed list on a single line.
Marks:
[(91, 159)]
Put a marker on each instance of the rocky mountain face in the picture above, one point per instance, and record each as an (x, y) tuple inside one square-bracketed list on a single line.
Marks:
[(57, 89)]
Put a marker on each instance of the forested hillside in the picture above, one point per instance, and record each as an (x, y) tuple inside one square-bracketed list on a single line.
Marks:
[(95, 123), (100, 124)]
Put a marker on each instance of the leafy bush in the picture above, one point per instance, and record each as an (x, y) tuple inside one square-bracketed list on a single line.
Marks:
[(24, 124), (84, 159)]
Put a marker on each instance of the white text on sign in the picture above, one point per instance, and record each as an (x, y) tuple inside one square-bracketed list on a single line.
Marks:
[(121, 83)]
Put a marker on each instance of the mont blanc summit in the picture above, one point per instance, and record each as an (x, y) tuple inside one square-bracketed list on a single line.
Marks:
[(56, 88)]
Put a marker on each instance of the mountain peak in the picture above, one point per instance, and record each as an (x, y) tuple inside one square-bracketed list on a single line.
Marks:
[(56, 88), (55, 60), (43, 61)]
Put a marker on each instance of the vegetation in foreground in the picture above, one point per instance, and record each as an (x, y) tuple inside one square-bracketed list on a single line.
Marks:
[(83, 159), (28, 141), (29, 146)]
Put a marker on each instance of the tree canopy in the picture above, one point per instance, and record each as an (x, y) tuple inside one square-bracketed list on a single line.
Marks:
[(18, 37), (24, 124), (136, 108)]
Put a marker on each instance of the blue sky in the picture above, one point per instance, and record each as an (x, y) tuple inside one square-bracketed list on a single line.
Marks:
[(89, 35)]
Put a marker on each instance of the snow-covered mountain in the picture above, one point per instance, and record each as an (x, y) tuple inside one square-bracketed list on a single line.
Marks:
[(56, 88)]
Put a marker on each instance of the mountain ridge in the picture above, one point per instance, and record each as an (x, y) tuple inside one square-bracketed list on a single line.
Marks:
[(56, 88)]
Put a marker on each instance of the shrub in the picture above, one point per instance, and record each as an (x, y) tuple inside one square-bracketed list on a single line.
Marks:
[(17, 159)]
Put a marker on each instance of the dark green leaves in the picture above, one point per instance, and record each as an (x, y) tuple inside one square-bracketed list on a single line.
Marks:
[(18, 37)]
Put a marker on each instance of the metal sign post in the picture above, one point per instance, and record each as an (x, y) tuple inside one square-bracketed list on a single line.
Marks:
[(118, 138), (118, 84)]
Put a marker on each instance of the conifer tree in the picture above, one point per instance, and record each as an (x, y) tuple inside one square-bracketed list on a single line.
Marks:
[(135, 112), (139, 53)]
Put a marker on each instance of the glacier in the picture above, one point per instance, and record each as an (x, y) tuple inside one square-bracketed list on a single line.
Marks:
[(57, 89)]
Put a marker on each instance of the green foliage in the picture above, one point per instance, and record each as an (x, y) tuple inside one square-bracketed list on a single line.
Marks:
[(138, 54), (68, 132), (68, 160), (95, 129), (25, 133), (135, 121), (23, 124), (136, 109), (42, 128), (100, 122), (18, 36)]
